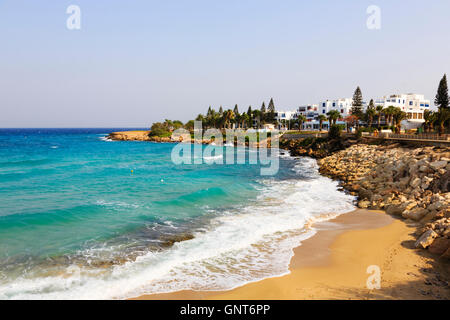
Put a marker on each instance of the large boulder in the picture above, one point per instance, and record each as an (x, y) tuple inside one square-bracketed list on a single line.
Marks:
[(439, 245), (438, 165), (426, 239), (415, 214), (415, 182), (364, 204)]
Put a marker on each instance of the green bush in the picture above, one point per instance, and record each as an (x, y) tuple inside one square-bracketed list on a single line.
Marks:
[(160, 130), (335, 132)]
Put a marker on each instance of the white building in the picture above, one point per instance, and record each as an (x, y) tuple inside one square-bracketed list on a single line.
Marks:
[(310, 111), (413, 104), (343, 105), (284, 117)]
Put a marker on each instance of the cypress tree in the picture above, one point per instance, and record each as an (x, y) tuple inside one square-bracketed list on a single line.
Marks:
[(271, 107), (263, 108), (236, 110), (442, 100), (357, 103)]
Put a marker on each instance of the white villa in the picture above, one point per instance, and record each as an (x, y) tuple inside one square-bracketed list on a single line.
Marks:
[(413, 104)]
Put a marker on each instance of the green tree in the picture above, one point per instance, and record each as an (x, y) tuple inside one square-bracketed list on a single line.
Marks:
[(357, 105), (379, 110), (399, 116), (322, 118), (333, 116), (370, 113), (442, 100), (443, 118), (159, 129), (257, 117), (250, 117), (189, 125), (301, 120), (271, 112), (430, 118), (263, 113), (389, 113), (177, 124)]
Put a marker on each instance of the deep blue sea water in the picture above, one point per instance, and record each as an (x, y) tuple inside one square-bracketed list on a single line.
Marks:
[(83, 217)]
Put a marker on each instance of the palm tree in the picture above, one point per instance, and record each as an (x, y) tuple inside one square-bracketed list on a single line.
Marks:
[(244, 120), (370, 114), (389, 112), (443, 115), (379, 110), (394, 116), (228, 117), (430, 118), (322, 118), (333, 116), (257, 117), (399, 115), (300, 120)]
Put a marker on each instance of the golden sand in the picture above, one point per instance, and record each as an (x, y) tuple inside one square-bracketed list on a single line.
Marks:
[(333, 264)]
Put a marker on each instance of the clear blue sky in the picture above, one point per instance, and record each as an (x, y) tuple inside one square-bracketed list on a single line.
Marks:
[(136, 62)]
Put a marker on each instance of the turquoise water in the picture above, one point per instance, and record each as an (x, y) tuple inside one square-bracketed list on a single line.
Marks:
[(82, 217)]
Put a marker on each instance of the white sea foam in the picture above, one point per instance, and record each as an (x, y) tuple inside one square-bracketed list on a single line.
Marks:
[(244, 245), (104, 138)]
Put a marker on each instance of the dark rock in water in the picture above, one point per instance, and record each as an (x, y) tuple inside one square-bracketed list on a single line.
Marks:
[(170, 240)]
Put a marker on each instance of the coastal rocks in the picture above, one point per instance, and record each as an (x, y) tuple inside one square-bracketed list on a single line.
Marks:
[(438, 165), (415, 214), (364, 204), (413, 183), (439, 246), (130, 136), (170, 240), (426, 239)]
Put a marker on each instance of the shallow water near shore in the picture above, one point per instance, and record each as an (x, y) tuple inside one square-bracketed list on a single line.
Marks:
[(82, 217)]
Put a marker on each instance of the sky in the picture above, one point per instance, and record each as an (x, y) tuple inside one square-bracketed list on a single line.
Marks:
[(136, 62)]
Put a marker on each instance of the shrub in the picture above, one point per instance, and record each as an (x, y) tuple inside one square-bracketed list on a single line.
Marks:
[(159, 129), (335, 132)]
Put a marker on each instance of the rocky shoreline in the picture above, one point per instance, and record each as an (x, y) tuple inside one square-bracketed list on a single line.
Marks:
[(410, 183)]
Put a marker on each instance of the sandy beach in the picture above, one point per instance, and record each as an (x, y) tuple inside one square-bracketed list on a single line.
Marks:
[(333, 265)]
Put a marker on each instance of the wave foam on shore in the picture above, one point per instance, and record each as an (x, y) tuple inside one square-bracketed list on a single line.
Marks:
[(242, 245)]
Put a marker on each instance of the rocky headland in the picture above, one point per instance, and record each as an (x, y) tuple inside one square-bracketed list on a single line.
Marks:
[(146, 136)]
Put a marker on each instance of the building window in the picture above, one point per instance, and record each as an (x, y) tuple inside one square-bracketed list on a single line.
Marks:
[(323, 111), (410, 103), (334, 104), (419, 116), (323, 104)]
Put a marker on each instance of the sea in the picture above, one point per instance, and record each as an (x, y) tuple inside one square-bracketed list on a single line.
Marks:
[(83, 217)]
